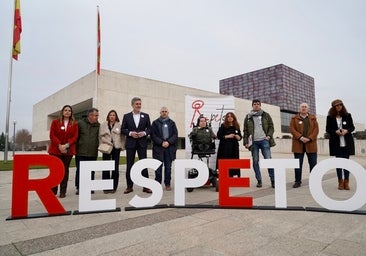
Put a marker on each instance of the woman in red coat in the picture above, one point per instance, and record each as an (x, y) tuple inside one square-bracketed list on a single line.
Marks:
[(63, 136)]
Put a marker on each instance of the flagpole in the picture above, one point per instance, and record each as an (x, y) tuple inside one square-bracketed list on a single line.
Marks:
[(9, 96), (97, 67), (8, 108)]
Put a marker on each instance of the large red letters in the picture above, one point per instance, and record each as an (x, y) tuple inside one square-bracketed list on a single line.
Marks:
[(225, 182), (22, 184)]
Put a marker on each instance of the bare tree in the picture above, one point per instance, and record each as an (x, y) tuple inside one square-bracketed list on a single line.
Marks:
[(23, 139)]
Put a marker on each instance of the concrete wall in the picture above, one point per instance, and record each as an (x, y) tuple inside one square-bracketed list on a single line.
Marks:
[(284, 146), (76, 93)]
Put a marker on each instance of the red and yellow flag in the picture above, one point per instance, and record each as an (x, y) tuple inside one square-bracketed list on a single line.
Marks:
[(98, 44), (17, 30)]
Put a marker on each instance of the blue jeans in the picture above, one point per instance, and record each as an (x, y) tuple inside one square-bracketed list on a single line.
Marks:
[(265, 148), (343, 153), (312, 159), (167, 162)]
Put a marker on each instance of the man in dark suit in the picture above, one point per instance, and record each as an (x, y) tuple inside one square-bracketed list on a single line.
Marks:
[(136, 126)]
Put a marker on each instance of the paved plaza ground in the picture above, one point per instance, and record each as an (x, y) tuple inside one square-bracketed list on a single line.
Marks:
[(189, 231)]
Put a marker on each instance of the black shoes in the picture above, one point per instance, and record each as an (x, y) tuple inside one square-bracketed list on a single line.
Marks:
[(147, 190), (297, 184), (259, 184), (128, 190)]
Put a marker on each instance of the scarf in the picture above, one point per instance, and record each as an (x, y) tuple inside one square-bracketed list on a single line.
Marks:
[(253, 113), (165, 128)]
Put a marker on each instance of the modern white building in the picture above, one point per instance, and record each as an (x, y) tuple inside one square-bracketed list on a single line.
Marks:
[(115, 90)]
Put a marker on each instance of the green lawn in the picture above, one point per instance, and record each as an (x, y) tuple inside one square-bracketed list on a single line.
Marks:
[(9, 165)]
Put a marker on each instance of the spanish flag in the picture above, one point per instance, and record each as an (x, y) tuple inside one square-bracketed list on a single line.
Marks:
[(17, 30), (98, 43)]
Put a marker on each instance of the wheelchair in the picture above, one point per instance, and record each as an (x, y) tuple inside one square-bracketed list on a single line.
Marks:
[(204, 152)]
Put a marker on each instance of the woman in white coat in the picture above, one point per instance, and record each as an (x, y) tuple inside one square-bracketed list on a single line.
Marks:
[(110, 134)]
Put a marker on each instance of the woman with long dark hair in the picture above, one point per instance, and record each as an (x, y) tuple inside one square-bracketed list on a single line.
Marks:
[(63, 136), (229, 135), (110, 134), (340, 126)]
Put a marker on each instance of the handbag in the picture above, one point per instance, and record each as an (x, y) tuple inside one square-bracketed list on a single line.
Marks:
[(105, 148)]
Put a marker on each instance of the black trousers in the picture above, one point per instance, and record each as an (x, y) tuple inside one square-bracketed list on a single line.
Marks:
[(106, 175), (130, 154), (78, 159), (63, 185)]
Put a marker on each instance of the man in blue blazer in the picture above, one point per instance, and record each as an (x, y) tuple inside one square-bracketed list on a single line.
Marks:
[(136, 126)]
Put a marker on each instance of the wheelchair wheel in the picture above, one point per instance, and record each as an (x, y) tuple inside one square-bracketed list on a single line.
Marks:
[(189, 189)]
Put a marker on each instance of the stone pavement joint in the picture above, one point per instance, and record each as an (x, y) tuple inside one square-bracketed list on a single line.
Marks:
[(41, 244)]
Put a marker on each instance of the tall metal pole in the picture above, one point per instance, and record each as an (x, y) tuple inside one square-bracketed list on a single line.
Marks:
[(9, 98), (14, 123)]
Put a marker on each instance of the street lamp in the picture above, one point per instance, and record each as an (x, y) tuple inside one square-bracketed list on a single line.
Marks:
[(14, 123)]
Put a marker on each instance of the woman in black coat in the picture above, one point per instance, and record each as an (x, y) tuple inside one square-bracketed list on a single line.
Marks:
[(340, 126), (229, 134)]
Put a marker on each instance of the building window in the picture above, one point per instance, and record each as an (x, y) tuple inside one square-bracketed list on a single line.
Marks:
[(285, 121)]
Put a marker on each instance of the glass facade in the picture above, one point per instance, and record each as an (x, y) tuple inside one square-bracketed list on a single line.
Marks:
[(278, 85)]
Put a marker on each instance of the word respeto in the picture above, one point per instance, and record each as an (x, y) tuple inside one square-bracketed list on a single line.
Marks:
[(22, 184)]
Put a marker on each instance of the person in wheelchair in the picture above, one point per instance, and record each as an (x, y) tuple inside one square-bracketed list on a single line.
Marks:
[(202, 138)]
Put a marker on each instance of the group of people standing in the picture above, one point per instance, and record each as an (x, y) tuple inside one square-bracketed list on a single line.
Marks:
[(82, 139), (339, 127)]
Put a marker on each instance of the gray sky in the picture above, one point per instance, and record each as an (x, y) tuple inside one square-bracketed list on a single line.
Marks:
[(193, 43)]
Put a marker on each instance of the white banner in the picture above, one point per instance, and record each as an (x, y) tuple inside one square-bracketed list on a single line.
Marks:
[(213, 108)]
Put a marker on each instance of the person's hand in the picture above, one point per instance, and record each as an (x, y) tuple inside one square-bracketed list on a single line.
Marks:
[(246, 145), (62, 148), (141, 134), (134, 135), (304, 139), (230, 136), (237, 137), (344, 131), (165, 144)]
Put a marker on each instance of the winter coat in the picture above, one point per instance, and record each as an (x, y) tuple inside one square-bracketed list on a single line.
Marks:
[(112, 137), (228, 148), (267, 125), (88, 140), (334, 141), (296, 129), (157, 139), (60, 136)]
